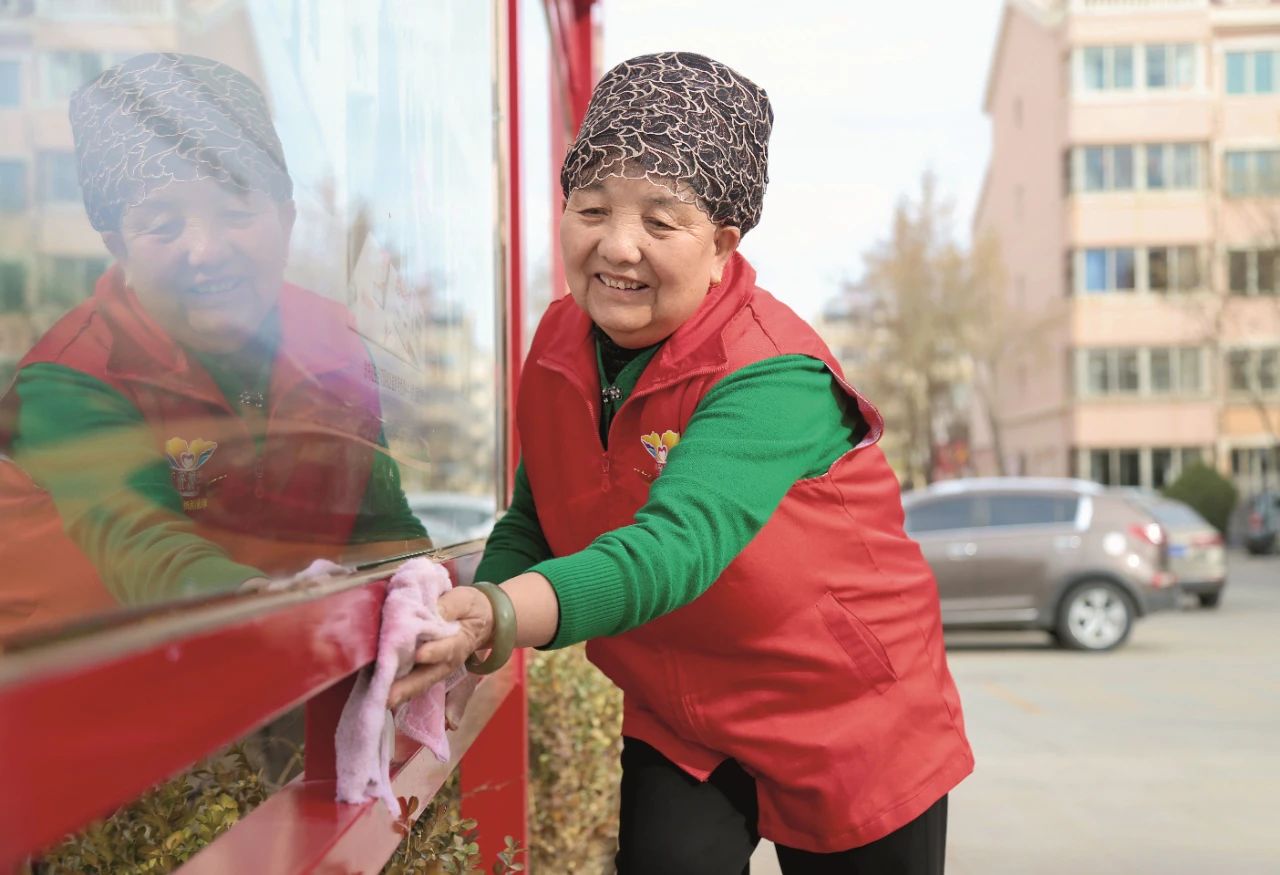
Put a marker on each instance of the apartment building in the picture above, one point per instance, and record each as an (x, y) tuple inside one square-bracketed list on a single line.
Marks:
[(1134, 186)]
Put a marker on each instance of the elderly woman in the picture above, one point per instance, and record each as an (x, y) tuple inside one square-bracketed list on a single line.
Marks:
[(198, 423), (702, 500)]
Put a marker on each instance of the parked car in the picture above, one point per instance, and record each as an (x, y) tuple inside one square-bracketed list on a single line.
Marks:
[(453, 517), (1197, 554), (1262, 529), (1066, 556)]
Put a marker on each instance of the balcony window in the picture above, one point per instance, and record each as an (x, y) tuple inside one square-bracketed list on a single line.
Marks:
[(1170, 66), (13, 287), (59, 182), (1152, 166), (1109, 270), (1250, 173), (10, 83), (13, 186), (1107, 68), (1251, 72), (1252, 271), (1145, 371)]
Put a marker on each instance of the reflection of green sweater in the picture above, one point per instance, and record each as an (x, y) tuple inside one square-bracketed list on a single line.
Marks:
[(756, 433), (92, 450)]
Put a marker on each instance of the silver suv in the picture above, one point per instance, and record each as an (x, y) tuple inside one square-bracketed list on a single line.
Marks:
[(1066, 556)]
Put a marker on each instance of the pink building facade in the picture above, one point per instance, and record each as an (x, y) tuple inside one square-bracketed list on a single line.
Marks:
[(1134, 188)]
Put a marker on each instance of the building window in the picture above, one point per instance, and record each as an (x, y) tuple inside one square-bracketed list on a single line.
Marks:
[(1252, 271), (1170, 66), (1251, 72), (1146, 371), (1152, 167), (13, 186), (1254, 371), (1173, 268), (13, 287), (1107, 68), (1142, 467), (1252, 172), (58, 180), (64, 72), (66, 281), (10, 83), (1159, 269)]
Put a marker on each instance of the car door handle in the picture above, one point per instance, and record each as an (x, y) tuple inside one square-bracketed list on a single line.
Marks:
[(960, 552)]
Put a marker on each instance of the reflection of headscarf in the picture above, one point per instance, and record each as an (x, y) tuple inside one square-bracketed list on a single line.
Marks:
[(683, 117), (157, 119)]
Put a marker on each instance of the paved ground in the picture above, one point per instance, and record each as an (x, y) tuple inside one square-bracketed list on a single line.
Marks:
[(1162, 758)]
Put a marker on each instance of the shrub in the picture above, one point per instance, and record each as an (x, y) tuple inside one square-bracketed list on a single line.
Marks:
[(575, 740), (1212, 495)]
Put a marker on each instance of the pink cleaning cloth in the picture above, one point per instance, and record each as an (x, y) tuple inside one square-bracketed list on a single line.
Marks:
[(366, 729)]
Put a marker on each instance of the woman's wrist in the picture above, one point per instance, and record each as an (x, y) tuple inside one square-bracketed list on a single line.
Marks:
[(501, 638)]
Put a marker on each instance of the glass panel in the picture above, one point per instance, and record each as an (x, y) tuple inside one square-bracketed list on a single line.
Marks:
[(1266, 266), (1190, 379), (1122, 69), (1124, 269), (1238, 370), (1238, 271), (1161, 467), (1031, 510), (1158, 269), (1237, 166), (290, 251), (1268, 168), (1185, 66), (1175, 513), (1094, 65), (540, 200), (1095, 172), (1263, 72), (1100, 466), (941, 515), (1268, 370), (13, 186), (1157, 66), (1127, 370), (1156, 170), (1161, 371), (1130, 468), (1122, 167), (1184, 165), (10, 83), (1235, 72), (1188, 267), (1095, 271), (1097, 372)]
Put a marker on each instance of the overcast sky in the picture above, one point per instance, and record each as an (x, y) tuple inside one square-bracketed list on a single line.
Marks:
[(866, 97)]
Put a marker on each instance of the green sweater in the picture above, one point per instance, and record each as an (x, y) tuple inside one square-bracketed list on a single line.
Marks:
[(756, 433), (93, 451)]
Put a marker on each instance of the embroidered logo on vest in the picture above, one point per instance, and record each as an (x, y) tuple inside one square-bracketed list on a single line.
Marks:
[(185, 461), (658, 446)]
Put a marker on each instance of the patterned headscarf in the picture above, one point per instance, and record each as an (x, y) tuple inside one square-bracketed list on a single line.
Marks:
[(158, 119), (683, 118)]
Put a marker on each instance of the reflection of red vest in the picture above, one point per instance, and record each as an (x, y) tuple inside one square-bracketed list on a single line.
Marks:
[(275, 510), (816, 659)]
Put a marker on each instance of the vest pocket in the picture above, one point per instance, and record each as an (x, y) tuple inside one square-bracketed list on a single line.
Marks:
[(859, 642)]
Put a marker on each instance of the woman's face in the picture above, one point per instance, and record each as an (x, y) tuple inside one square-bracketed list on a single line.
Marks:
[(638, 259), (204, 261)]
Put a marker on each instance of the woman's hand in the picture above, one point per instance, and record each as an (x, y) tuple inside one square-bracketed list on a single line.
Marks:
[(438, 659)]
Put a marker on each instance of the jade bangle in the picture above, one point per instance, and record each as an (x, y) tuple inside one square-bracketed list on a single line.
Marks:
[(504, 631)]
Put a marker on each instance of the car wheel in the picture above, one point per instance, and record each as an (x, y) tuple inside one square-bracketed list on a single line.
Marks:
[(1094, 615), (1210, 599)]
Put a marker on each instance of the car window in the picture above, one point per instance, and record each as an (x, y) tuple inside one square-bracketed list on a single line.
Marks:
[(1172, 513), (1032, 509), (955, 512)]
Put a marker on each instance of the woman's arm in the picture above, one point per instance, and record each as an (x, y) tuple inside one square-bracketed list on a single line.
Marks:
[(91, 449)]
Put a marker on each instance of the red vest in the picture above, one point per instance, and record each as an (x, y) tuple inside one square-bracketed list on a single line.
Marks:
[(276, 509), (816, 659)]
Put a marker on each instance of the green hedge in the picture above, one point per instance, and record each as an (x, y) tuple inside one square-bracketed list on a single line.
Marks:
[(1212, 495)]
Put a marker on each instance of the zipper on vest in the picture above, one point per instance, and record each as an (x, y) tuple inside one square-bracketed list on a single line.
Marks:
[(258, 490)]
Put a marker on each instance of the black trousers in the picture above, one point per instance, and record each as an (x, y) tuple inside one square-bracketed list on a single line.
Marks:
[(673, 824)]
